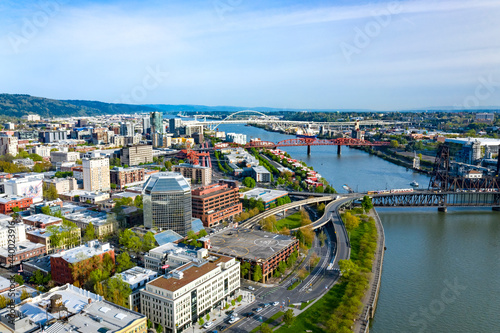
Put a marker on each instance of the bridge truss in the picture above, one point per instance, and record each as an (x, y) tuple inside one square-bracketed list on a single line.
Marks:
[(438, 199), (442, 180), (303, 142)]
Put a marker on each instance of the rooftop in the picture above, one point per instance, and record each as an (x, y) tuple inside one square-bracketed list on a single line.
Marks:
[(248, 243), (137, 274), (103, 316), (83, 252), (73, 298), (262, 193), (22, 247), (166, 182), (5, 198), (191, 272), (42, 218), (192, 166), (87, 216)]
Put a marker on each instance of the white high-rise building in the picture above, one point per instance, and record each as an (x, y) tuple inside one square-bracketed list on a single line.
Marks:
[(96, 174), (8, 145)]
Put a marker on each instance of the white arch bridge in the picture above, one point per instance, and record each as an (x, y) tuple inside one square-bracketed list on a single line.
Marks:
[(264, 119)]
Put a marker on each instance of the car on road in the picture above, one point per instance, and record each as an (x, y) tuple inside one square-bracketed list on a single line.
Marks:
[(257, 310), (209, 324), (276, 303), (249, 314), (232, 320), (251, 288), (221, 327), (267, 305)]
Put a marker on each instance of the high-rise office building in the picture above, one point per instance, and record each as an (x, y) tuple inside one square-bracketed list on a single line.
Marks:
[(96, 174), (133, 155), (127, 129), (157, 122), (167, 202), (173, 124), (146, 125)]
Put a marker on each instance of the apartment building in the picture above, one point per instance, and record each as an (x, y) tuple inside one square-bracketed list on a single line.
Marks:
[(63, 263), (8, 145), (178, 299), (96, 174), (64, 156), (133, 155), (126, 176), (198, 174)]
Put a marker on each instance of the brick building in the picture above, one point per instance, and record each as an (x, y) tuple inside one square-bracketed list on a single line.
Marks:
[(8, 202), (61, 263), (215, 203), (23, 251), (124, 176)]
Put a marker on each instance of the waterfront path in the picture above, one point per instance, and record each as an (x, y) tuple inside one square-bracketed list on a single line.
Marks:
[(371, 295)]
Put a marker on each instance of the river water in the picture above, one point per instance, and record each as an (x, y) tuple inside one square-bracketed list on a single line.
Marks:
[(441, 271)]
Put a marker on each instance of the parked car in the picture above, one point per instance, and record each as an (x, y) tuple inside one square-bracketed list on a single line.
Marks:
[(251, 288), (233, 320), (207, 325), (258, 310), (230, 312)]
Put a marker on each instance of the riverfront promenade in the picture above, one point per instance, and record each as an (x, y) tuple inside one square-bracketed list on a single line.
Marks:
[(371, 295)]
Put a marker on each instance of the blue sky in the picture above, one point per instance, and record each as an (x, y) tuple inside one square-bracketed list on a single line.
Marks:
[(285, 54)]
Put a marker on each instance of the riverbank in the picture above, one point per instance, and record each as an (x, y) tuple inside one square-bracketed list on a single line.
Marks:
[(397, 159), (371, 296)]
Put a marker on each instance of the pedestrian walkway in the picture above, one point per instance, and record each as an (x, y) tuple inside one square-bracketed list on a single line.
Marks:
[(218, 316)]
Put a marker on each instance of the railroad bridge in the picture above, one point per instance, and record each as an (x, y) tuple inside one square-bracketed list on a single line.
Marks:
[(441, 200)]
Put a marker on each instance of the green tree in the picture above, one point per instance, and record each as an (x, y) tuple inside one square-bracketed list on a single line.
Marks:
[(108, 265), (149, 324), (289, 318), (394, 144), (89, 233), (25, 294), (257, 273), (159, 329), (347, 268), (118, 290), (99, 288), (138, 202), (249, 182), (18, 279), (264, 328), (3, 301), (208, 317), (113, 186), (244, 268), (50, 192), (46, 210), (366, 203), (351, 221), (322, 237), (149, 241), (123, 262)]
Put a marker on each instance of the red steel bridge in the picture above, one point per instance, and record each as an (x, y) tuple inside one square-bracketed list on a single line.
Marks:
[(304, 142)]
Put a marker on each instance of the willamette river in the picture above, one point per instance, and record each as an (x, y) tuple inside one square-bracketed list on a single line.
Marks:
[(441, 271)]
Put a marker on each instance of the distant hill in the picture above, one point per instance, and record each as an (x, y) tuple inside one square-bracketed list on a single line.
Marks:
[(20, 105)]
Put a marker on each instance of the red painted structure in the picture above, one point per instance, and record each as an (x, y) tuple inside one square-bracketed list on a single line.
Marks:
[(304, 142)]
